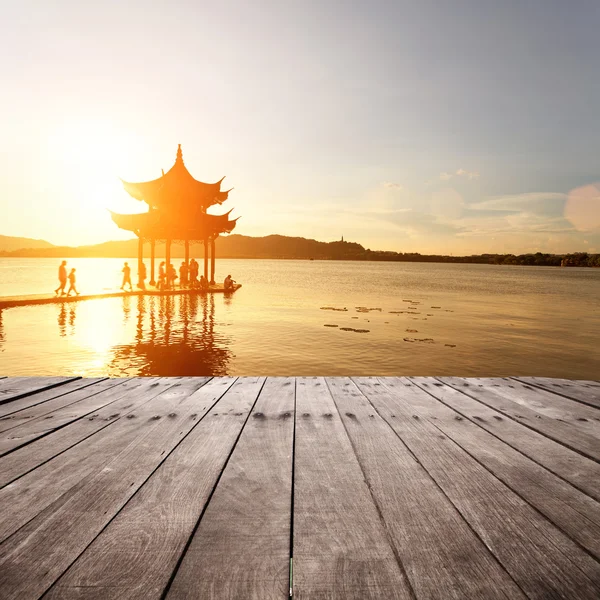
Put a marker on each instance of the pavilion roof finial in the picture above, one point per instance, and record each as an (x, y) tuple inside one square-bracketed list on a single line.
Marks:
[(179, 154)]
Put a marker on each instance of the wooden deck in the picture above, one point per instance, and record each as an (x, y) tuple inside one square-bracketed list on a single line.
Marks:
[(254, 488), (29, 300)]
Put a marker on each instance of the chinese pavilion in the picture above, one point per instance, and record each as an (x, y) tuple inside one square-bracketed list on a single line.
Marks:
[(177, 205)]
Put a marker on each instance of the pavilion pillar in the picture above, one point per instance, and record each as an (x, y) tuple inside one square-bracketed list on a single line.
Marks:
[(206, 259), (140, 261), (212, 261), (168, 261), (152, 280)]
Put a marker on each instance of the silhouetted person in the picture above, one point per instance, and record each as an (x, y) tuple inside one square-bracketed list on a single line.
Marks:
[(203, 283), (72, 287), (162, 276), (62, 278), (228, 283), (183, 274), (142, 276), (126, 277), (193, 273), (171, 276)]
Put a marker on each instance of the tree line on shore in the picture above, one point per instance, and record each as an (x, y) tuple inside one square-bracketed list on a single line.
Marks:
[(283, 247)]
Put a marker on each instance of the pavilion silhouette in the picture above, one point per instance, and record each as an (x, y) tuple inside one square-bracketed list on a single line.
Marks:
[(177, 205)]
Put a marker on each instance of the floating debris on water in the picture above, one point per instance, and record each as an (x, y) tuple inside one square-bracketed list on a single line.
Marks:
[(436, 307), (412, 331), (450, 345), (422, 340), (448, 310), (355, 330), (330, 325), (430, 314), (364, 309), (332, 308), (354, 317)]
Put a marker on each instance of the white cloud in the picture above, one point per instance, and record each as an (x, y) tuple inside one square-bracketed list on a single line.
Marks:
[(392, 186), (459, 173)]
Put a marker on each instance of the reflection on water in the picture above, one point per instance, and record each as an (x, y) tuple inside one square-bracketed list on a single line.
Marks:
[(173, 335), (323, 318)]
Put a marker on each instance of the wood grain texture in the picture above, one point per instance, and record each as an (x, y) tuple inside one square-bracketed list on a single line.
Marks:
[(241, 548), (380, 487), (128, 396), (55, 414), (572, 511), (571, 466), (340, 545), (21, 410), (442, 556), (62, 531), (543, 561), (564, 433), (136, 554), (13, 388), (30, 494), (582, 417), (587, 392)]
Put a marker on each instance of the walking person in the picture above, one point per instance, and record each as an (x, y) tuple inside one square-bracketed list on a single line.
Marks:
[(126, 277), (72, 286), (62, 278)]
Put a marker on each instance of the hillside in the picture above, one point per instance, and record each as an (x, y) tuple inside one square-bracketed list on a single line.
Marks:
[(233, 246), (282, 247), (10, 244)]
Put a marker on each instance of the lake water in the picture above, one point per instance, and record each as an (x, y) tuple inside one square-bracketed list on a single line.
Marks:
[(428, 319)]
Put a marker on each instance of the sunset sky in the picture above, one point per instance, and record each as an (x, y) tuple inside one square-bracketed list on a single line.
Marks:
[(461, 126)]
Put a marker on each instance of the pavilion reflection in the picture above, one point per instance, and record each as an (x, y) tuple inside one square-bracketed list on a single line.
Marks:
[(174, 336)]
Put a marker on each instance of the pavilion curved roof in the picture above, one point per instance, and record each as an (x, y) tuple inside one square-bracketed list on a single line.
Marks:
[(177, 189), (158, 225)]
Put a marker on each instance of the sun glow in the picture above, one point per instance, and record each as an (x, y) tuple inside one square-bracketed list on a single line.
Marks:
[(92, 155)]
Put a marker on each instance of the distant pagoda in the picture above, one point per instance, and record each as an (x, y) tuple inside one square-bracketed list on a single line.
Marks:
[(177, 205)]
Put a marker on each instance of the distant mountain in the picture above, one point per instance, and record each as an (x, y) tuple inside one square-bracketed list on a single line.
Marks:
[(9, 243), (280, 246), (233, 246)]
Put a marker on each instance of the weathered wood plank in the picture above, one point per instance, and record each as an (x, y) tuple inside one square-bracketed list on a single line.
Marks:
[(13, 388), (340, 546), (136, 554), (241, 548), (34, 557), (580, 416), (571, 466), (543, 561), (572, 511), (587, 392), (56, 398), (75, 406), (128, 396), (442, 556), (29, 495), (563, 433)]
